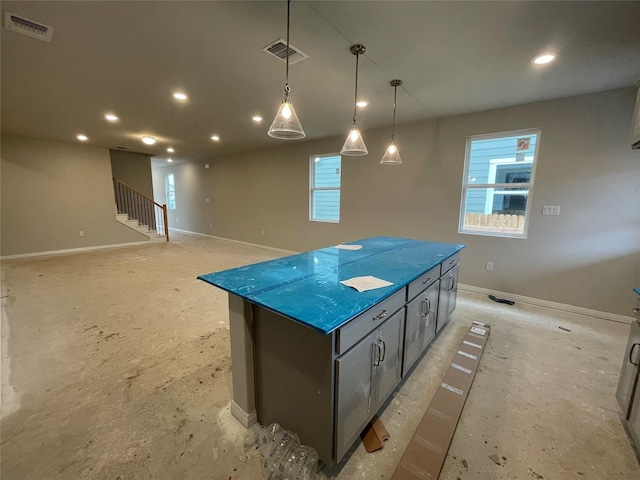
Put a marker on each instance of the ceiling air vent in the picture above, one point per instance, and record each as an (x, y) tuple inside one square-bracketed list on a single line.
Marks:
[(279, 49), (27, 27)]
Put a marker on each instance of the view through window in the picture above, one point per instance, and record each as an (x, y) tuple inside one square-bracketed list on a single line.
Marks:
[(324, 187), (497, 184), (170, 189)]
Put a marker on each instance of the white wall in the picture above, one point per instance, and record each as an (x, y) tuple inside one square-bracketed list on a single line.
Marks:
[(51, 191), (589, 256)]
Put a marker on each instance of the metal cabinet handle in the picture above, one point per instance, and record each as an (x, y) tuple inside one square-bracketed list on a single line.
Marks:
[(423, 311), (426, 281), (636, 310), (452, 282), (381, 315), (428, 301), (377, 358), (384, 351), (631, 353)]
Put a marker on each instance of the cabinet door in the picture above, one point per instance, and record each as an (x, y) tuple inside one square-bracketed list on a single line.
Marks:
[(448, 296), (429, 315), (387, 357), (634, 418), (355, 392), (413, 328), (420, 325), (629, 371)]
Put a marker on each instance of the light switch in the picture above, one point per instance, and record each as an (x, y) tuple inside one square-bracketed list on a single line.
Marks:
[(551, 210)]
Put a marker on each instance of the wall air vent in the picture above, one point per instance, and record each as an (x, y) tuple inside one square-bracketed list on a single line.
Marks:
[(279, 50), (27, 27)]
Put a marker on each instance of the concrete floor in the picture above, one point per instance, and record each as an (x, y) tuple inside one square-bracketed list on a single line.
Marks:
[(115, 365)]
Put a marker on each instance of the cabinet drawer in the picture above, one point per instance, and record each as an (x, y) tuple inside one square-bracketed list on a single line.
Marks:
[(357, 328), (422, 282), (449, 263)]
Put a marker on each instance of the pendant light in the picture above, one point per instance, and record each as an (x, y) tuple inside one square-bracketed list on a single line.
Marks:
[(354, 145), (286, 125), (392, 156)]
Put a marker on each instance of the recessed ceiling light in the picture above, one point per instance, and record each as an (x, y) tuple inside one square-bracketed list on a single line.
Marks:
[(317, 159), (170, 150), (82, 138), (544, 59), (148, 140), (180, 96), (215, 138), (362, 103), (256, 118), (169, 160), (111, 117)]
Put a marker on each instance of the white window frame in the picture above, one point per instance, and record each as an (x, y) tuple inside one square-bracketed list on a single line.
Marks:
[(492, 187), (166, 188), (312, 182)]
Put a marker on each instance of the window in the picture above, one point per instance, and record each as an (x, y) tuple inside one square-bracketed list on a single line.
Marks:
[(170, 189), (497, 185), (324, 188)]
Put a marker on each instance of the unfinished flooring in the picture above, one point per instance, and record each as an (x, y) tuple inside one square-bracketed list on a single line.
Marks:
[(115, 365)]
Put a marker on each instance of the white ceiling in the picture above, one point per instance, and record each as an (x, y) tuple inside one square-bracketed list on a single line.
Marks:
[(454, 57)]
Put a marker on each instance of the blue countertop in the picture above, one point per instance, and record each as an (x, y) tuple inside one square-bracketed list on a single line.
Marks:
[(306, 287)]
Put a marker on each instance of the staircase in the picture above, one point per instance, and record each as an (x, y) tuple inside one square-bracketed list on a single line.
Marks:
[(140, 213)]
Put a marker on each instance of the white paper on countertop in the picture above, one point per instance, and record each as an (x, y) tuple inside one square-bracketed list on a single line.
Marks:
[(362, 284), (348, 247)]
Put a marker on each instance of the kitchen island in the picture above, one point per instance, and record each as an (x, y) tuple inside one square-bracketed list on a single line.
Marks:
[(321, 358)]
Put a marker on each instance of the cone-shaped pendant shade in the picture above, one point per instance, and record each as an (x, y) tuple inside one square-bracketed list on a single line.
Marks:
[(286, 125), (354, 145), (391, 156)]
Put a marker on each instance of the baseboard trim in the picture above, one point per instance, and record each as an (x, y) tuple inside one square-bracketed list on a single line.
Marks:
[(291, 252), (74, 250), (246, 419), (613, 317)]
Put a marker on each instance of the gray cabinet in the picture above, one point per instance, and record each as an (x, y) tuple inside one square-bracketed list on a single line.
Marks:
[(628, 393), (365, 377), (448, 296), (420, 327), (629, 372)]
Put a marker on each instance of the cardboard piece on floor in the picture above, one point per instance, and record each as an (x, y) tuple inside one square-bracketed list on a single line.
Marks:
[(374, 435), (424, 457)]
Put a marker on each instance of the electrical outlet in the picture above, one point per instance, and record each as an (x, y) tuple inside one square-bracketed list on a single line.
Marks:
[(206, 200), (81, 233), (551, 210), (489, 265), (262, 233)]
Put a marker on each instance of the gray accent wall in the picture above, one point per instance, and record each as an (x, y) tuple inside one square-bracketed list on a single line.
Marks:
[(133, 169), (51, 191), (589, 256)]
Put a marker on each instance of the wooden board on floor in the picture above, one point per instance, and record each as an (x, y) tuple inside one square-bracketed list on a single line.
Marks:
[(427, 450)]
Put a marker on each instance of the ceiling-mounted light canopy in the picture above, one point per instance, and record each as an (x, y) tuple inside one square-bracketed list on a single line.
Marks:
[(286, 125), (392, 156), (354, 145), (148, 140)]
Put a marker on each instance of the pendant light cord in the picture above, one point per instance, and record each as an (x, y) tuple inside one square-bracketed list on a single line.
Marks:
[(355, 100), (286, 77), (393, 129)]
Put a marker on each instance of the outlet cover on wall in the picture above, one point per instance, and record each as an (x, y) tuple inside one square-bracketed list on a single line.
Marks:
[(489, 265), (551, 210)]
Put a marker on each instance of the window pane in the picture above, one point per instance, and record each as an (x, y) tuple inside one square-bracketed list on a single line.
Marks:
[(326, 205), (502, 160), (495, 210), (327, 172), (170, 191)]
